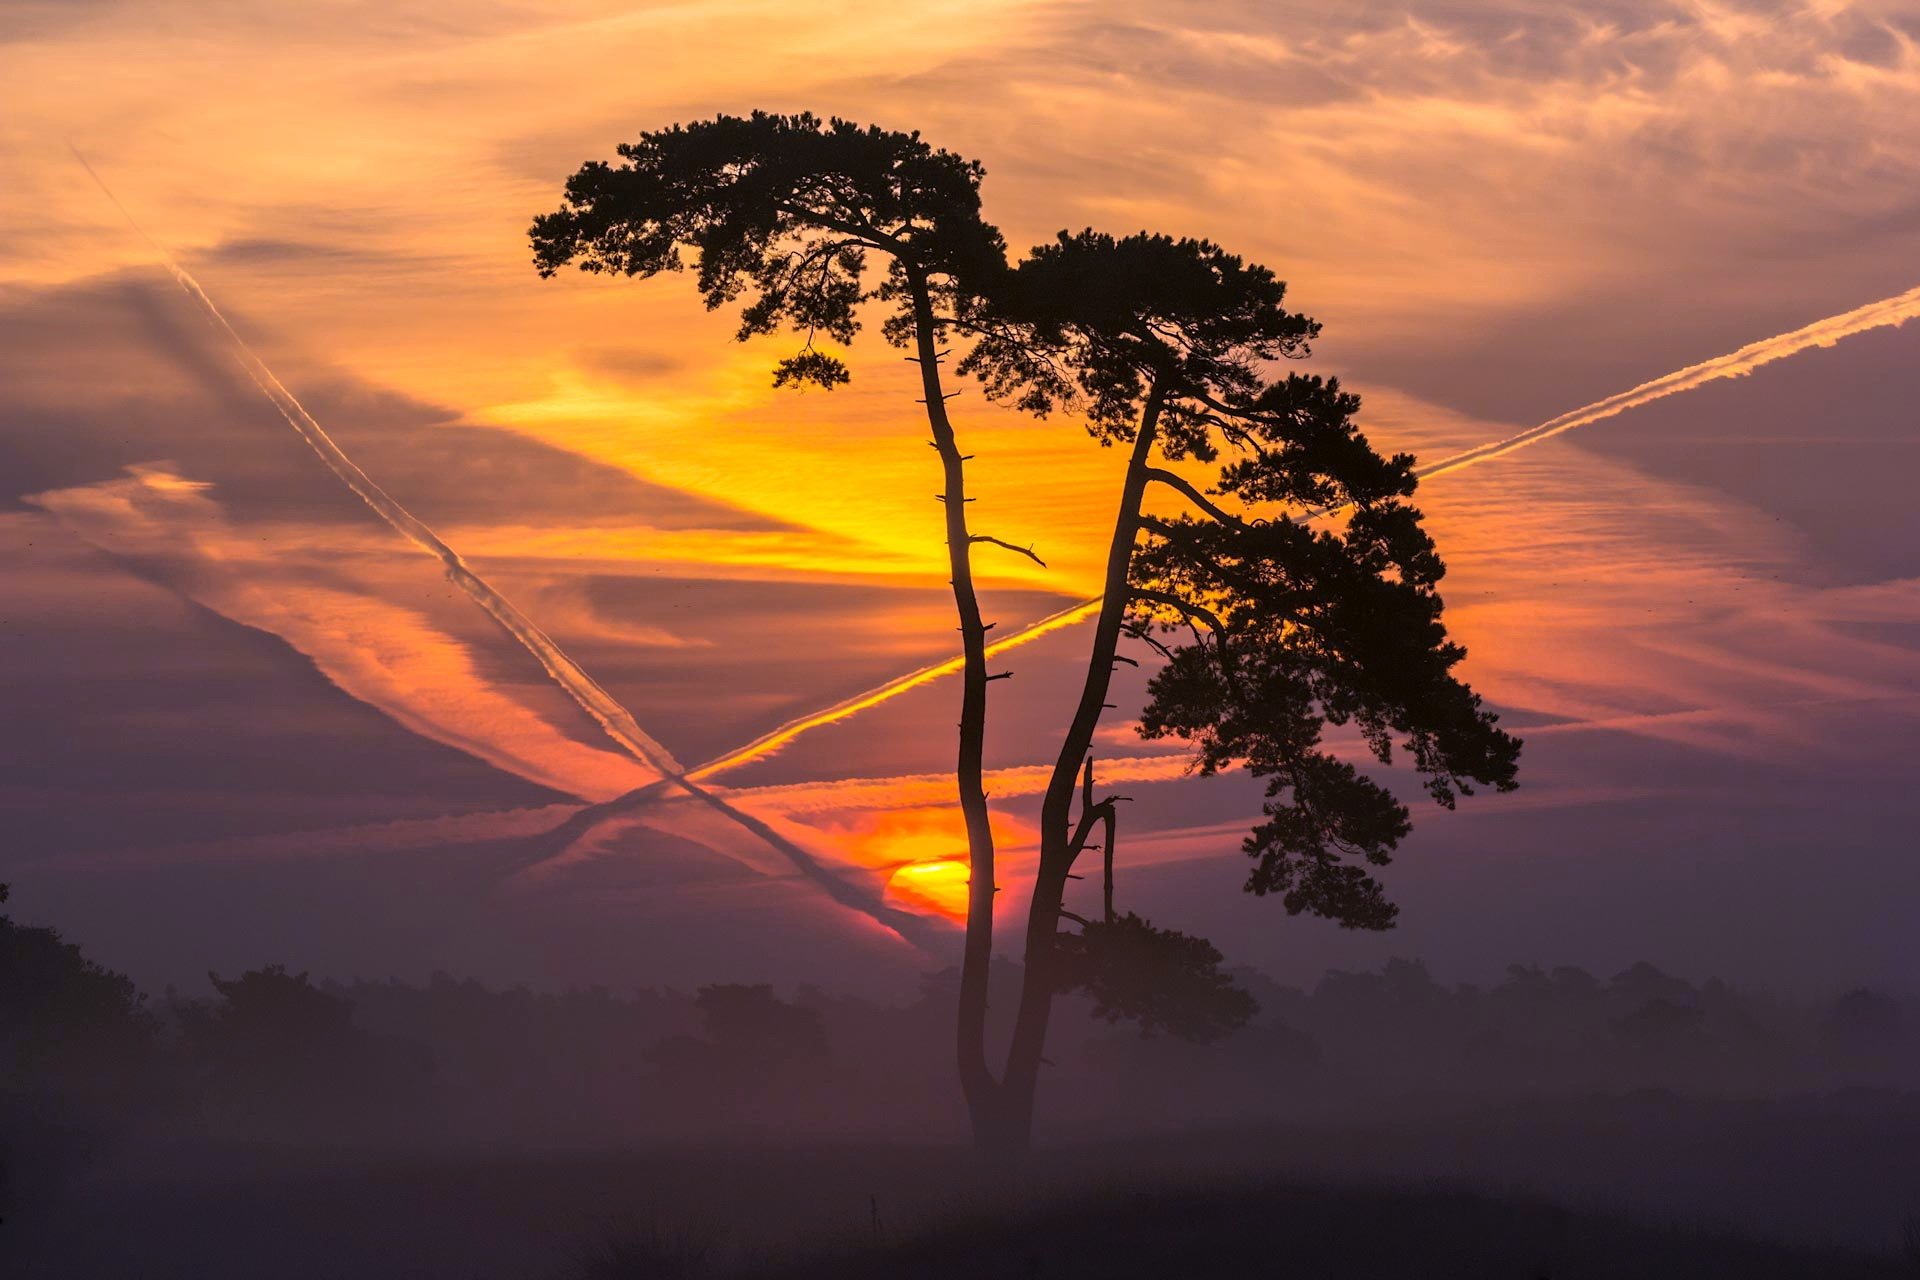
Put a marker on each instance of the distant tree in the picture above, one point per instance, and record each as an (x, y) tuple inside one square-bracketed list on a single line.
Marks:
[(782, 214), (72, 1033), (1642, 983), (276, 1053), (79, 1053), (1269, 628), (753, 1022), (753, 1043), (1864, 1024), (1661, 1028)]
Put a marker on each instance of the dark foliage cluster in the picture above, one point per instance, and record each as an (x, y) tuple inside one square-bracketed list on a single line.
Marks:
[(1096, 324), (1161, 980)]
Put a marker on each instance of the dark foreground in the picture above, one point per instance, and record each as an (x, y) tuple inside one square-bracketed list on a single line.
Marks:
[(1263, 1230), (1656, 1193)]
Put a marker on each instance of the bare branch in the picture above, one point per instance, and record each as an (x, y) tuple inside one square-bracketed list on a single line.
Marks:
[(1078, 843), (1017, 550), (1106, 852)]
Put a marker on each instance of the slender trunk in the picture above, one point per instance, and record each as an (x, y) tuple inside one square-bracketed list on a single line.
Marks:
[(1039, 983), (976, 1081)]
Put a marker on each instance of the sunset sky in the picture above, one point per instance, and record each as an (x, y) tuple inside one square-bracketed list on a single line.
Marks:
[(241, 720)]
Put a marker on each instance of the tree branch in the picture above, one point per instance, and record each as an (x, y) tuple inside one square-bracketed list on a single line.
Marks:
[(1212, 619), (868, 236), (1197, 498), (1140, 633), (1017, 550)]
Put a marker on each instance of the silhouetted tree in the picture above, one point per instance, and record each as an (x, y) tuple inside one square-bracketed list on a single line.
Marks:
[(1283, 628), (1164, 345), (782, 213)]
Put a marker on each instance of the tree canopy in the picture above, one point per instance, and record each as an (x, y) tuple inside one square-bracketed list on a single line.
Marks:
[(780, 213)]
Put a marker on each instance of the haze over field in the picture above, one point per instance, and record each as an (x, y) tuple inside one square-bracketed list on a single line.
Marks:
[(243, 720)]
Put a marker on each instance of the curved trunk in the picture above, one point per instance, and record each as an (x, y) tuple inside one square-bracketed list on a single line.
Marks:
[(976, 1081), (1039, 984)]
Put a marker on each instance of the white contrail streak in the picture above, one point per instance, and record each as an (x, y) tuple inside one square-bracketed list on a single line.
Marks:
[(1895, 311), (618, 723)]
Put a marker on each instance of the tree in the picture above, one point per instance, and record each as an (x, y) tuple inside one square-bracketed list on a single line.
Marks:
[(279, 1054), (1864, 1024), (782, 213), (1270, 628), (757, 1049), (1164, 346)]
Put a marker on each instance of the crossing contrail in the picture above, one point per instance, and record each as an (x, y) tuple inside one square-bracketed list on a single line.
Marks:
[(618, 723), (613, 718), (1893, 311)]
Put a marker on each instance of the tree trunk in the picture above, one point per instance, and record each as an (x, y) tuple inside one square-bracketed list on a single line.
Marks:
[(976, 1081), (1039, 982)]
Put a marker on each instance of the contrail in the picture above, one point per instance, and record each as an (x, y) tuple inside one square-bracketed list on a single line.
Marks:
[(620, 725), (774, 739), (615, 719), (1822, 333), (1894, 311), (595, 701)]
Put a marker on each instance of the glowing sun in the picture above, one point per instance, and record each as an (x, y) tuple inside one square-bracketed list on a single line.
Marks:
[(933, 884)]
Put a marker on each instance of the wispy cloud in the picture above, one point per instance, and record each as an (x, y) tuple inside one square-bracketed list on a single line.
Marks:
[(380, 653)]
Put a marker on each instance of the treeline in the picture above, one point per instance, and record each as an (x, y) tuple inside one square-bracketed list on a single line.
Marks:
[(274, 1055)]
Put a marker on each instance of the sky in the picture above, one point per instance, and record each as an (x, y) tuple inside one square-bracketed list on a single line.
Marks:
[(243, 720)]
